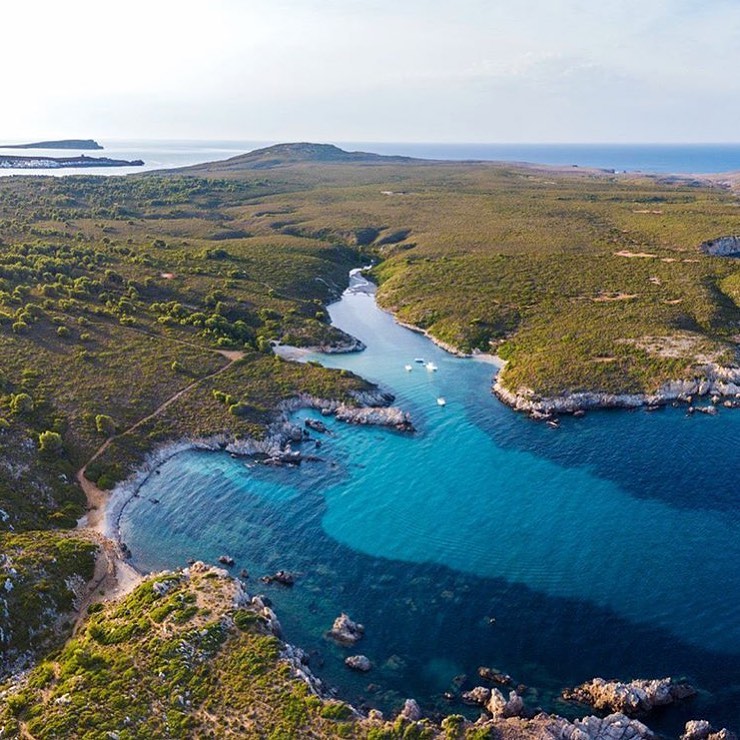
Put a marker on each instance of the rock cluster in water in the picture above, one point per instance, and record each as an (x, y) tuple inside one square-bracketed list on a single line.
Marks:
[(358, 663), (345, 631), (635, 698), (700, 729)]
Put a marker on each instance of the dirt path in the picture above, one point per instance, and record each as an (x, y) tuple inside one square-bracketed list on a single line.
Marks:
[(114, 576)]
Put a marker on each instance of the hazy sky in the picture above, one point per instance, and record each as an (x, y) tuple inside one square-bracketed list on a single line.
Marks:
[(372, 70)]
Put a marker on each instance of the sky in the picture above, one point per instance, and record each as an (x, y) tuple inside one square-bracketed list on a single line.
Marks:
[(372, 70)]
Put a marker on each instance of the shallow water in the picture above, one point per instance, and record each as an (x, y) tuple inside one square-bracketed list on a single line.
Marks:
[(608, 547)]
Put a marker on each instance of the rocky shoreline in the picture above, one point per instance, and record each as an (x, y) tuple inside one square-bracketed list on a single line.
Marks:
[(501, 717), (53, 163), (717, 384), (373, 408)]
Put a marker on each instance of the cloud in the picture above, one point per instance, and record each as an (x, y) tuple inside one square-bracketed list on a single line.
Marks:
[(422, 69)]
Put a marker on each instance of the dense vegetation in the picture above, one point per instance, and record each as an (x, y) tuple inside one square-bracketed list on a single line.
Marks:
[(185, 655)]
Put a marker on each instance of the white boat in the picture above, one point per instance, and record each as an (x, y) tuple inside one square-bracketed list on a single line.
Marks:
[(408, 368), (420, 360), (431, 367), (441, 401)]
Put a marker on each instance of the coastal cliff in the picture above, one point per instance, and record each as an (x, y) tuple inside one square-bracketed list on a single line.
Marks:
[(717, 383)]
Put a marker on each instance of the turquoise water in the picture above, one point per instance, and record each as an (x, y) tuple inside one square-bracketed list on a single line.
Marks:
[(610, 546)]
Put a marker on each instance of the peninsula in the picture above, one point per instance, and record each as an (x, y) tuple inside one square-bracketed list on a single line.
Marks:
[(85, 144), (52, 163)]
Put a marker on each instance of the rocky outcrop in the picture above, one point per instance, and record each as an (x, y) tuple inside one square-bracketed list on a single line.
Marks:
[(358, 663), (499, 706), (53, 163), (613, 727), (700, 729), (411, 711), (345, 631), (369, 407), (712, 380), (635, 698), (386, 417), (723, 246), (346, 345), (479, 695), (540, 727)]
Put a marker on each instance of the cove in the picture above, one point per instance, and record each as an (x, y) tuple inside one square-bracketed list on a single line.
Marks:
[(607, 547)]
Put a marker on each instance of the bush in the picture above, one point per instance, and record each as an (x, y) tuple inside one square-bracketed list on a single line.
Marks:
[(50, 443), (21, 403), (105, 425)]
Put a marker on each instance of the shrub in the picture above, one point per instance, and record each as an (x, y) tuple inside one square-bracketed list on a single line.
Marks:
[(21, 403), (105, 425), (50, 443)]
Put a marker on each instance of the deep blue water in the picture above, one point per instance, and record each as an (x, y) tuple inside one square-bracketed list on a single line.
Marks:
[(649, 158), (607, 547)]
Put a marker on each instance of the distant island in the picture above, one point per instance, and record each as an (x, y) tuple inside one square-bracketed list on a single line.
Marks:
[(53, 163), (87, 144)]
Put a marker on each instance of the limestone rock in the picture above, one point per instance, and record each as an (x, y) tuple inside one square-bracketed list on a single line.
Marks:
[(634, 698), (411, 711), (696, 729), (358, 663), (700, 729), (613, 727), (498, 706), (345, 631), (479, 695)]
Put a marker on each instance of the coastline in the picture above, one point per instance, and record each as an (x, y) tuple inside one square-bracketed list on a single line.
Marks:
[(374, 408), (718, 384)]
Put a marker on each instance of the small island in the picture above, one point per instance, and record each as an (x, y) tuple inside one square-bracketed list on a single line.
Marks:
[(86, 144), (53, 163)]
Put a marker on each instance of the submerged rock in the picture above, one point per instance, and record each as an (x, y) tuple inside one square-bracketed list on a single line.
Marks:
[(282, 577), (495, 676)]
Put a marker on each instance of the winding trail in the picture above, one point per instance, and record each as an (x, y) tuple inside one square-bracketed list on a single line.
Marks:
[(114, 576)]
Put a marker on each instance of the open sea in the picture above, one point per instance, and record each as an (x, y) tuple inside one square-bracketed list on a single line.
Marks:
[(607, 547), (649, 158)]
